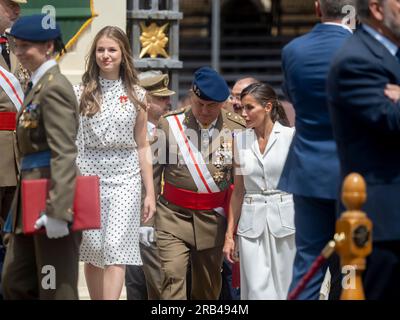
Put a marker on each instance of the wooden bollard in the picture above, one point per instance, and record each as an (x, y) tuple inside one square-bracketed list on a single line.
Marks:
[(353, 232)]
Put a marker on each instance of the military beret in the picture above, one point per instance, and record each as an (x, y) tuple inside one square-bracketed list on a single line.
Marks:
[(156, 85), (35, 28), (209, 85)]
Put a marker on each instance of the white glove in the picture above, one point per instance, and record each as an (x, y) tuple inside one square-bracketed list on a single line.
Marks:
[(55, 228), (146, 235)]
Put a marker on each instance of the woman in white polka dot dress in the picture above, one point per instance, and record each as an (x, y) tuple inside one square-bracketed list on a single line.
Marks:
[(112, 144)]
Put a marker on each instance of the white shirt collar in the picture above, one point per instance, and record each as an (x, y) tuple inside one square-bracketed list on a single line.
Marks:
[(39, 72), (388, 44), (339, 25)]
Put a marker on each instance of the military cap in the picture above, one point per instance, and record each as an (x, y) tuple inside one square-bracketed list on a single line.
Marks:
[(156, 84), (35, 28), (209, 85)]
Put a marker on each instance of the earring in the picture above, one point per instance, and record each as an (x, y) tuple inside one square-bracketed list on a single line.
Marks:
[(47, 53)]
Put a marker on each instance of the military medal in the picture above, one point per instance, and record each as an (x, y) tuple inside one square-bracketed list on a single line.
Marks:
[(223, 162), (223, 155), (218, 176), (29, 118)]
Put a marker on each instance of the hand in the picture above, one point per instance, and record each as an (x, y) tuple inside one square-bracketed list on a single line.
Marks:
[(146, 235), (55, 228), (229, 249), (392, 91), (149, 208)]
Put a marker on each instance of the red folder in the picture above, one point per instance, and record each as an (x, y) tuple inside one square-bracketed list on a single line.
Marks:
[(236, 275), (86, 203)]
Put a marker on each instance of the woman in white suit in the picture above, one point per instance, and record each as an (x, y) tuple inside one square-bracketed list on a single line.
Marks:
[(266, 227)]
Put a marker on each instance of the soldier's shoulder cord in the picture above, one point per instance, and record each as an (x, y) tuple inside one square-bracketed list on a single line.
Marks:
[(235, 118), (174, 112)]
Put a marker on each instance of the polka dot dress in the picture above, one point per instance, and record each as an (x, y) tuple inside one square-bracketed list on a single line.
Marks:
[(106, 148)]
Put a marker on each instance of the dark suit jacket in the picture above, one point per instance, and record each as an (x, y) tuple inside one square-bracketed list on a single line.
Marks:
[(367, 126), (312, 168)]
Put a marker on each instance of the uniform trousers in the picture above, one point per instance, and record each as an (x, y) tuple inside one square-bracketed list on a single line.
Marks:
[(31, 262), (175, 256)]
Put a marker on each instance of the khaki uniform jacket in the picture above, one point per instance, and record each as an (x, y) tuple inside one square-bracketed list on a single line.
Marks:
[(202, 229), (56, 106), (8, 148)]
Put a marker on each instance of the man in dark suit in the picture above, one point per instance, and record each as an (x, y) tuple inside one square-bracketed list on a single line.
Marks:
[(366, 126), (314, 167)]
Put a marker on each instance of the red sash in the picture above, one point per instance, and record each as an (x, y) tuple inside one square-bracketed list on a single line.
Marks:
[(203, 201), (8, 121), (194, 200)]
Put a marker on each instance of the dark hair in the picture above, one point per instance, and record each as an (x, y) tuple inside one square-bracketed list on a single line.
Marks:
[(332, 9), (59, 46), (264, 93)]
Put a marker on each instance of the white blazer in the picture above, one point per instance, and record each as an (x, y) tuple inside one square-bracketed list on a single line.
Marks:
[(263, 204)]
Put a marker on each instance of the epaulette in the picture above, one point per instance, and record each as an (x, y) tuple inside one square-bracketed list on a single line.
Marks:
[(40, 85), (235, 118), (173, 112)]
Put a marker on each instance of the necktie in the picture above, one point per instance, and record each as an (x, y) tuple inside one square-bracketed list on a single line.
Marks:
[(28, 88)]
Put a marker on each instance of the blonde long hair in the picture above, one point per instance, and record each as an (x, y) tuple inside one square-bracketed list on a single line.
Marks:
[(91, 94)]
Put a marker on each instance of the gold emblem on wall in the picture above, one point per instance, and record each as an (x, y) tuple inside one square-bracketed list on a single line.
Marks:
[(153, 40)]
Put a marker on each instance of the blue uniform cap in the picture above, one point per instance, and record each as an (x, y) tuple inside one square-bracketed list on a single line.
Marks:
[(35, 28), (209, 85)]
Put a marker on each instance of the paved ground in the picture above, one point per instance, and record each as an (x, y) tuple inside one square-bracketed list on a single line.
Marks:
[(83, 291)]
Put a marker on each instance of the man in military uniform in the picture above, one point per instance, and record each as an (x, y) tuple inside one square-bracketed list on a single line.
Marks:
[(196, 163), (10, 101), (144, 282), (11, 97)]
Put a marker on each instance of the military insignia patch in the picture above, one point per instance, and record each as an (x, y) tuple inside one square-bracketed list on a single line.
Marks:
[(196, 90)]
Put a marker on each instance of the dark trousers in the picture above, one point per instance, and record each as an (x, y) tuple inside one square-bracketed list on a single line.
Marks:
[(381, 279), (315, 225), (135, 283), (34, 263), (144, 282), (2, 255), (6, 197), (227, 291)]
